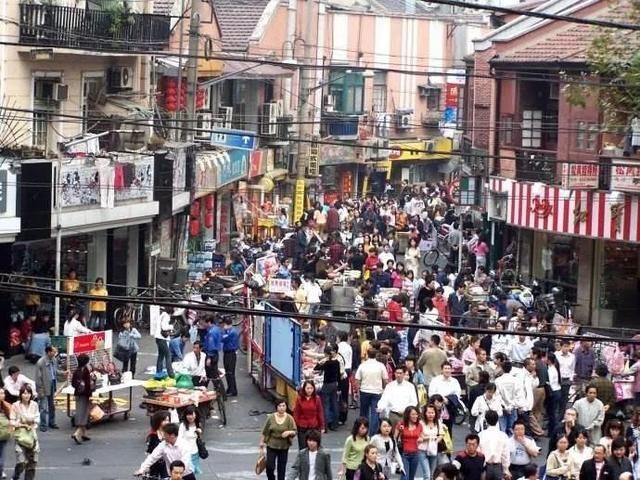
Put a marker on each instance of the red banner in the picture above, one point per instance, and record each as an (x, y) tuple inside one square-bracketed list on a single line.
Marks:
[(89, 342), (451, 95), (255, 164)]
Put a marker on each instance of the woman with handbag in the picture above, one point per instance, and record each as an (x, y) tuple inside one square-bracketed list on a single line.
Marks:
[(25, 416), (127, 347), (409, 433), (5, 428), (388, 454), (277, 435), (188, 434), (83, 383), (432, 441)]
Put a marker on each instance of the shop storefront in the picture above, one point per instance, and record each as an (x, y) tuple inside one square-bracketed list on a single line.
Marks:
[(585, 242), (419, 161)]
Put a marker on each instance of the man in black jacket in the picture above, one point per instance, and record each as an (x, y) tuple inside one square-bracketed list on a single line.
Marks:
[(457, 304), (597, 468)]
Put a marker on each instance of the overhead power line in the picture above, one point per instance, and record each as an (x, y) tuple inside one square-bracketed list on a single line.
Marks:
[(532, 13), (10, 287)]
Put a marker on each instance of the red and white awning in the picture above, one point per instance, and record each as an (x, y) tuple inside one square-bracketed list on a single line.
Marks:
[(587, 213)]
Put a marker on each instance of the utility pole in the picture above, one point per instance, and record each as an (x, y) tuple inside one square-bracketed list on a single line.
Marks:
[(305, 128), (192, 70)]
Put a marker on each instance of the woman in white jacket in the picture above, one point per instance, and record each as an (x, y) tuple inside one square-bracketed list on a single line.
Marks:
[(388, 454), (490, 400)]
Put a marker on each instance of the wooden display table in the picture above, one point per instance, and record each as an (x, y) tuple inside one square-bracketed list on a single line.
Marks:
[(107, 405)]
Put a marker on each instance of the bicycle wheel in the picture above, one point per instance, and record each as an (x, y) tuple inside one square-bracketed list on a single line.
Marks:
[(222, 412), (430, 258)]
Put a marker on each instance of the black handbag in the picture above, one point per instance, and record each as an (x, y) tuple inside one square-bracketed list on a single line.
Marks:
[(203, 453)]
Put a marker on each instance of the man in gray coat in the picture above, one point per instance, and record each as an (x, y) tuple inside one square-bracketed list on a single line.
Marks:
[(46, 386), (311, 462)]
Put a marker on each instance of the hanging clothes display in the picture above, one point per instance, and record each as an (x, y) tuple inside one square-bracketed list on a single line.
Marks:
[(118, 179)]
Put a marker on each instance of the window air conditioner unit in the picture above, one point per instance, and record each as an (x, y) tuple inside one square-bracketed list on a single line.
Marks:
[(203, 126), (404, 119), (430, 146), (226, 116), (269, 124), (121, 78), (60, 92)]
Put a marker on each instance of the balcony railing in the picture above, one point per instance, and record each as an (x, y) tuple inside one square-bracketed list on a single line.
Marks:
[(341, 125), (537, 166), (56, 26)]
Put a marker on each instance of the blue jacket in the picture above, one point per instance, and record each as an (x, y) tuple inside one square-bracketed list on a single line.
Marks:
[(230, 340), (213, 340)]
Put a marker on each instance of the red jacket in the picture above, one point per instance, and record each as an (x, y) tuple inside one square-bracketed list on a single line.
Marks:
[(395, 311), (442, 306), (308, 412)]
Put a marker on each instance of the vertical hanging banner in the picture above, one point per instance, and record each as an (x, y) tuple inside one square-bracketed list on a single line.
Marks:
[(298, 203)]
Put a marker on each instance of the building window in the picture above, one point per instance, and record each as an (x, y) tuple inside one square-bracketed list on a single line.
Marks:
[(43, 106), (433, 99), (347, 90), (506, 130), (532, 128), (586, 136), (92, 85), (379, 102)]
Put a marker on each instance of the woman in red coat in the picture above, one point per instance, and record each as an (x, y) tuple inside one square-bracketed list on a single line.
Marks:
[(308, 412)]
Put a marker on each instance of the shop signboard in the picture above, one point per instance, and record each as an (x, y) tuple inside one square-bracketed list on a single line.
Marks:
[(298, 205), (337, 154), (580, 175), (279, 285), (625, 177), (256, 166), (3, 191), (237, 139), (235, 168), (90, 342)]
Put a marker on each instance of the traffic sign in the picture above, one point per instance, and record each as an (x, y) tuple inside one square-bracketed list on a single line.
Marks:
[(240, 139)]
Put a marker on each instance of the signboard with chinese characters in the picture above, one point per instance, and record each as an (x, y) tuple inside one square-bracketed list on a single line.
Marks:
[(298, 201), (625, 177), (580, 175), (90, 342), (235, 168), (229, 138), (256, 166), (279, 285)]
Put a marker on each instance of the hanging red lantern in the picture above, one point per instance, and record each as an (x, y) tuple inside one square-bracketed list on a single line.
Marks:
[(171, 91), (171, 106), (208, 202), (194, 227), (208, 219), (195, 209)]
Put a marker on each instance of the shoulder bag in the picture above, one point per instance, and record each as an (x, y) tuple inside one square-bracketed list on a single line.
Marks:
[(203, 453), (261, 462), (5, 428), (25, 438)]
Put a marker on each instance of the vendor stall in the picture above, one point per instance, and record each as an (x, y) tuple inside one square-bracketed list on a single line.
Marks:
[(178, 399), (105, 405), (277, 353)]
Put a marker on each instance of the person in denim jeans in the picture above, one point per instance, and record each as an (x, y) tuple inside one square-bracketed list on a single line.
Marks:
[(371, 377), (330, 366), (409, 433)]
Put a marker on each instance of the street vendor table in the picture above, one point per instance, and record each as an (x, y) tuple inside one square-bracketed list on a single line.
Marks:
[(180, 400), (107, 405)]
